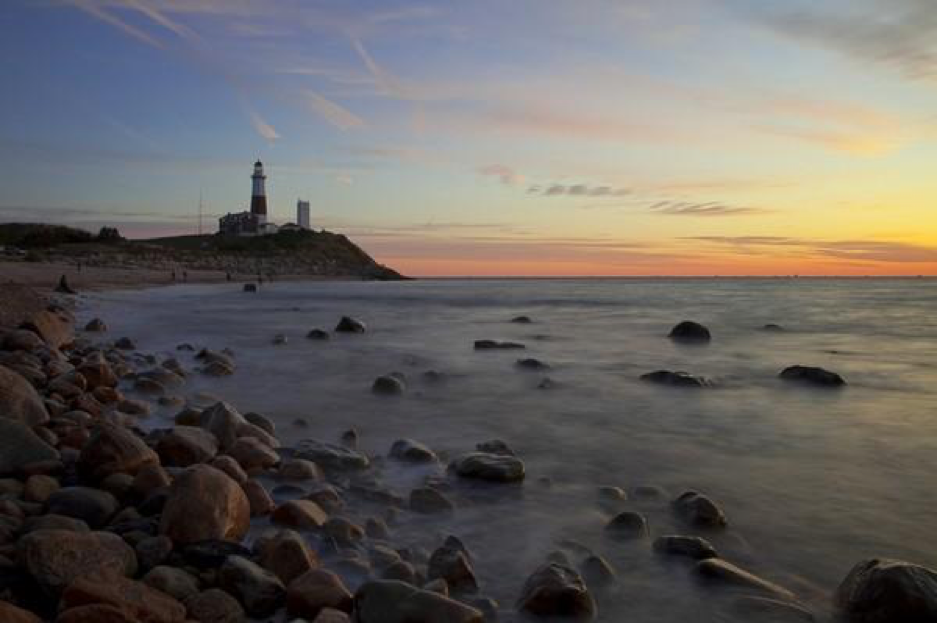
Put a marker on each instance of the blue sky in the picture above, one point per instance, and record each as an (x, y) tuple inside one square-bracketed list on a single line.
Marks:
[(523, 137)]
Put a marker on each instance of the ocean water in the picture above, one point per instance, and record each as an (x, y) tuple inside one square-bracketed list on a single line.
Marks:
[(812, 481)]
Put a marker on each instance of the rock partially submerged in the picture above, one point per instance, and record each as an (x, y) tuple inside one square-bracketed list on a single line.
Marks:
[(693, 547), (690, 332), (811, 375), (389, 385), (496, 345), (347, 324), (885, 591), (557, 591), (393, 601), (723, 572), (675, 379), (699, 510), (487, 466), (331, 456)]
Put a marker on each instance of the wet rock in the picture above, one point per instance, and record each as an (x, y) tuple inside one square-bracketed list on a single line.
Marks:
[(429, 501), (392, 601), (55, 327), (613, 495), (315, 590), (12, 614), (211, 553), (809, 375), (489, 467), (21, 339), (317, 334), (722, 572), (253, 454), (229, 466), (114, 449), (218, 368), (261, 422), (96, 325), (688, 546), (675, 379), (259, 591), (125, 343), (596, 571), (757, 608), (19, 400), (214, 606), (330, 456), (286, 555), (495, 345), (882, 591), (279, 339), (412, 451), (20, 446), (690, 332), (205, 503), (773, 328), (186, 445), (451, 563), (343, 531), (495, 446), (54, 522), (299, 469), (698, 510), (302, 514), (388, 385), (401, 570), (627, 525), (557, 591), (347, 324), (531, 364), (521, 320), (93, 506), (260, 501), (56, 558), (136, 599)]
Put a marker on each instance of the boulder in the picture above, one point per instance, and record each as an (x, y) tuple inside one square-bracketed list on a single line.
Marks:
[(20, 446), (98, 373), (214, 606), (114, 449), (259, 591), (186, 445), (172, 581), (299, 469), (302, 514), (688, 546), (555, 590), (143, 603), (317, 334), (690, 332), (392, 601), (56, 328), (287, 555), (253, 454), (347, 324), (96, 325), (93, 506), (331, 456), (489, 467), (521, 320), (388, 385), (627, 525), (596, 571), (882, 591), (260, 501), (19, 400), (495, 446), (412, 452), (56, 558), (722, 572), (222, 420), (316, 589), (22, 339), (451, 563), (675, 379), (429, 501), (531, 364), (810, 375), (496, 345), (698, 510), (205, 503)]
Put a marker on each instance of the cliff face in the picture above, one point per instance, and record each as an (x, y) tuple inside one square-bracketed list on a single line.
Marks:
[(301, 253)]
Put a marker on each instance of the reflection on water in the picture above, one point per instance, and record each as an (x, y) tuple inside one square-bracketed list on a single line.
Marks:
[(812, 481)]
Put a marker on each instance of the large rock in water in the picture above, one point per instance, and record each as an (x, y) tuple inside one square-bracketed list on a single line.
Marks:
[(723, 572), (810, 375), (20, 446), (186, 445), (490, 467), (392, 601), (55, 327), (330, 456), (886, 591), (698, 510), (19, 400), (114, 449), (347, 324), (556, 591), (690, 332), (259, 590), (675, 378), (56, 558), (205, 503), (315, 590)]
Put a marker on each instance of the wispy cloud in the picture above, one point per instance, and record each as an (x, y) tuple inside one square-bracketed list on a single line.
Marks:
[(577, 190), (333, 113), (93, 8), (889, 251), (263, 128), (505, 174), (708, 208)]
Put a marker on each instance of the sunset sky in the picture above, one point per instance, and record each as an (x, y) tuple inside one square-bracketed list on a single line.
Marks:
[(520, 137)]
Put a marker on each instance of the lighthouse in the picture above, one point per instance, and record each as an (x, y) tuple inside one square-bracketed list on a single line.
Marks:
[(258, 194)]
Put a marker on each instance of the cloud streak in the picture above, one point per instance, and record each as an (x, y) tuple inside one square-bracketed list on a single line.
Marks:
[(333, 113), (705, 209), (263, 128), (505, 174)]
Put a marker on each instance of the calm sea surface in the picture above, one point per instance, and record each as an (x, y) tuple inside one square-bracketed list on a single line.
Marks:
[(812, 481)]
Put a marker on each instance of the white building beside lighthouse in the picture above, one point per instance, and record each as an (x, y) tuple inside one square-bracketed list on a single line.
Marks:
[(302, 214)]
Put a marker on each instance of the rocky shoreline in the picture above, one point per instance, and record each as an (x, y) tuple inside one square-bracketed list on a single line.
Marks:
[(106, 517)]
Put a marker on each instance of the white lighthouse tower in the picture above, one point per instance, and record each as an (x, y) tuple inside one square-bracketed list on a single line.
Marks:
[(259, 194)]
